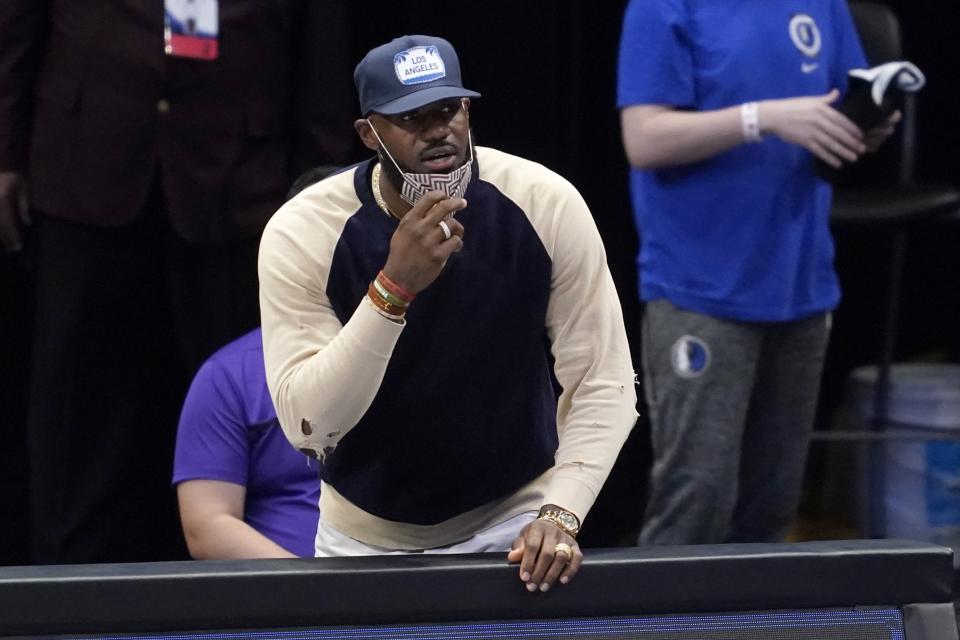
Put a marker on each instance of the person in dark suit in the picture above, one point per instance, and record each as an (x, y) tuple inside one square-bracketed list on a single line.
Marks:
[(150, 177)]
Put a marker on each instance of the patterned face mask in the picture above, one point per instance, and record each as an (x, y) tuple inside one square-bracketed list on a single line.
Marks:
[(416, 185)]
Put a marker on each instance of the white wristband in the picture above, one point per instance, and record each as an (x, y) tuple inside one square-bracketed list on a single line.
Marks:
[(750, 122)]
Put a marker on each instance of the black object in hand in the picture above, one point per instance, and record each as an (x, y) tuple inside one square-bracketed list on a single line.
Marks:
[(872, 97)]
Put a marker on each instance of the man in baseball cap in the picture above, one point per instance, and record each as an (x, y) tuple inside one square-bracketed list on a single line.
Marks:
[(412, 362), (408, 73), (416, 78)]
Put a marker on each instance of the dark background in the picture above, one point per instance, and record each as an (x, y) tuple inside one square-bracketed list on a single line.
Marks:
[(547, 72)]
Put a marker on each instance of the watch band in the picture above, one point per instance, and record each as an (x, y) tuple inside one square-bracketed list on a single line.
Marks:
[(566, 520)]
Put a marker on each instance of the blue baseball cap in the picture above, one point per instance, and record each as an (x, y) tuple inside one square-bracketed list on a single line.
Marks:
[(407, 73)]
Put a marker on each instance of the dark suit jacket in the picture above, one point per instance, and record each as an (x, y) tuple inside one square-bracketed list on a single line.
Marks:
[(92, 109)]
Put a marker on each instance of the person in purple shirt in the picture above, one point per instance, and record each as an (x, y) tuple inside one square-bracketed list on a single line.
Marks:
[(243, 491)]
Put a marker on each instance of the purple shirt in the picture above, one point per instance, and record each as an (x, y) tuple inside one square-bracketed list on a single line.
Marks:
[(229, 431)]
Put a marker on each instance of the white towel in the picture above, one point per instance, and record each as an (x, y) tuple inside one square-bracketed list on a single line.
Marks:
[(902, 75)]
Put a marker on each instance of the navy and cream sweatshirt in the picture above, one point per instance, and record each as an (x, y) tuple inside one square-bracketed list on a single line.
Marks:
[(438, 427)]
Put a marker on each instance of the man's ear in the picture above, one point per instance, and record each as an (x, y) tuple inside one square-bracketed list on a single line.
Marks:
[(465, 103), (365, 131)]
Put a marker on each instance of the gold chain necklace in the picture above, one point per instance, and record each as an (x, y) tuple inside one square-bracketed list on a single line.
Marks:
[(375, 185)]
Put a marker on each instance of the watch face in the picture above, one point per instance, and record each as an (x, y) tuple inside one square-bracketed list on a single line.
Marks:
[(567, 520)]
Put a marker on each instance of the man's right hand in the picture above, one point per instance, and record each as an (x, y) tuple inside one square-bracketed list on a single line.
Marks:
[(14, 209), (419, 248), (815, 125)]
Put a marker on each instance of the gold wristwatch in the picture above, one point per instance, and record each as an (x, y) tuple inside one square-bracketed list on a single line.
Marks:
[(564, 519)]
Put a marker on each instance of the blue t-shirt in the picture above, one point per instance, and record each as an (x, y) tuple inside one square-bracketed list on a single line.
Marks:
[(744, 234), (229, 431)]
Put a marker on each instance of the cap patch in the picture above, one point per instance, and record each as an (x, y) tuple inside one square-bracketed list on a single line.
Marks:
[(418, 65)]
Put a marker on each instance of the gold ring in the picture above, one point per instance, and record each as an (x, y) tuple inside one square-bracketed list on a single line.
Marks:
[(565, 549)]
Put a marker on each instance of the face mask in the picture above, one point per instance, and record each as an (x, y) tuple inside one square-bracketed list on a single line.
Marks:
[(416, 185)]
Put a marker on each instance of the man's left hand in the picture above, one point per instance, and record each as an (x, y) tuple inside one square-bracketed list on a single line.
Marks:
[(876, 136), (541, 564)]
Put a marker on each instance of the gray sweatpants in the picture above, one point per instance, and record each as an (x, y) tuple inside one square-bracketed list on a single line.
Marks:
[(731, 409)]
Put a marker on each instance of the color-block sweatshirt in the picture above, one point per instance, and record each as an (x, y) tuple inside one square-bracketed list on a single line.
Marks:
[(431, 430)]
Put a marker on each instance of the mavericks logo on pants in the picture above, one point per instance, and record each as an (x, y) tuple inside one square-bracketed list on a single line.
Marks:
[(690, 357)]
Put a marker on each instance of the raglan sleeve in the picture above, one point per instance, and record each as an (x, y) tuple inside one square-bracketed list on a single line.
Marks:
[(322, 374), (597, 407)]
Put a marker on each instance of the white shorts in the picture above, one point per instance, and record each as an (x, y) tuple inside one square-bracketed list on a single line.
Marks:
[(331, 543)]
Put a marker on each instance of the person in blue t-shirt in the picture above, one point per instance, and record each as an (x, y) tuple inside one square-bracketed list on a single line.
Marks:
[(244, 492), (724, 108)]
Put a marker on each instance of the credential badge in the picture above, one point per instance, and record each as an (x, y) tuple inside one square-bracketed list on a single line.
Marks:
[(418, 65), (805, 34)]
